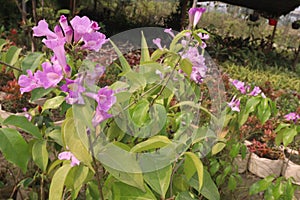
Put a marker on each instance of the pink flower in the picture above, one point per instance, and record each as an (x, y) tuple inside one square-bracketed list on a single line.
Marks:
[(50, 76), (169, 31), (42, 29), (292, 117), (74, 89), (67, 155), (28, 83), (234, 104), (100, 116), (68, 31), (93, 75), (157, 42), (105, 99), (27, 114), (94, 41), (256, 91), (81, 26), (199, 68), (195, 15), (57, 46), (240, 86)]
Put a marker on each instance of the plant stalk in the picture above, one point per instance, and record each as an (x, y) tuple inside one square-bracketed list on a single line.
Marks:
[(10, 66), (98, 175), (172, 176)]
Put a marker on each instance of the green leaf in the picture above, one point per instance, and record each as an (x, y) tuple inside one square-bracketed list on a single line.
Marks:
[(56, 136), (184, 196), (157, 54), (159, 180), (193, 164), (40, 154), (235, 149), (63, 12), (154, 142), (132, 179), (281, 126), (145, 56), (136, 81), (264, 110), (261, 185), (288, 136), (122, 191), (39, 92), (12, 55), (186, 66), (218, 148), (53, 103), (176, 39), (2, 43), (92, 191), (209, 189), (73, 142), (76, 178), (23, 123), (31, 61), (140, 113), (14, 148), (125, 65), (232, 183), (58, 181)]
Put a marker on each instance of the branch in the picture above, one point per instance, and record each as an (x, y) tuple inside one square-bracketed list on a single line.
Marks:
[(10, 66)]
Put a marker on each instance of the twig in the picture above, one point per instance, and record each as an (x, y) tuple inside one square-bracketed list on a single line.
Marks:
[(10, 66), (172, 175), (98, 175)]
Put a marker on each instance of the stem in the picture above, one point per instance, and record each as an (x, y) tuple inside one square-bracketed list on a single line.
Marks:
[(172, 176), (10, 66), (98, 175), (165, 85), (42, 188)]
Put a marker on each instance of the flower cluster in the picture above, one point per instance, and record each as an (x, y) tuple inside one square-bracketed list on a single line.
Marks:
[(191, 52), (81, 34), (244, 89)]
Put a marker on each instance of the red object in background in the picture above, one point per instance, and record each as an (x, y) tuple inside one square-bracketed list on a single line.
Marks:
[(13, 31), (272, 22)]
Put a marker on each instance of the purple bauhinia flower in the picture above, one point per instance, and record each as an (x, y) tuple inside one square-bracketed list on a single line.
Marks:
[(42, 29), (234, 104), (199, 68), (27, 114), (81, 26), (157, 42), (93, 75), (68, 31), (240, 86), (28, 83), (105, 98), (100, 116), (198, 74), (94, 41), (292, 117), (50, 76), (67, 155), (203, 36), (195, 15), (74, 89), (256, 91), (57, 46), (169, 31)]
